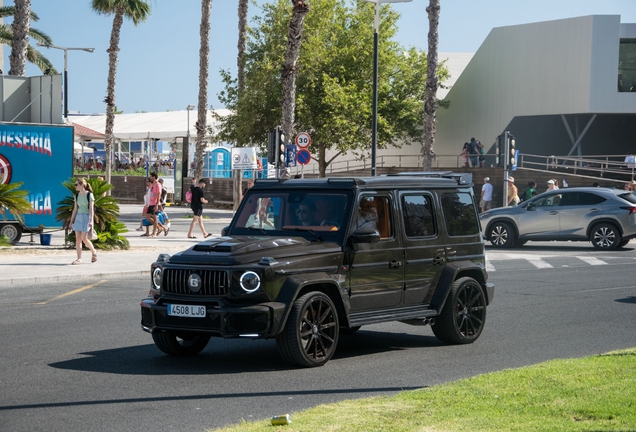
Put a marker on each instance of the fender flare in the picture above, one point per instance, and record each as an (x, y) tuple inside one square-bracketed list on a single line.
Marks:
[(297, 285), (452, 272)]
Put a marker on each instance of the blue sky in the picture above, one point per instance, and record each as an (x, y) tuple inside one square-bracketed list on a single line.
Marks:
[(158, 61)]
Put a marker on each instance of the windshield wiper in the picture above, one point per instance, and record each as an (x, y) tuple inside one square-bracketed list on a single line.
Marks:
[(313, 233), (256, 229)]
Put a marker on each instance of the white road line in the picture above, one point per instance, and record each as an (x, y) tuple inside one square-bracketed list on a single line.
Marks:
[(591, 260), (538, 262), (489, 267)]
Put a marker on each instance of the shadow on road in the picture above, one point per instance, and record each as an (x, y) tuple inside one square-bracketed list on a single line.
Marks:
[(631, 300), (229, 356)]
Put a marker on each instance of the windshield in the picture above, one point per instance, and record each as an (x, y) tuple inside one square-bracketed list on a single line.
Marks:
[(315, 215)]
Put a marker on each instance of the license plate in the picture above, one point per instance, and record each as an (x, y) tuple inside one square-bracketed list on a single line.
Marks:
[(189, 311)]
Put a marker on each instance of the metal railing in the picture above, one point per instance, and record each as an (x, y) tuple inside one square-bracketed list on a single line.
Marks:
[(596, 166)]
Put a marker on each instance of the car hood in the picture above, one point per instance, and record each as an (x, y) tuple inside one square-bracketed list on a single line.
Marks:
[(249, 249)]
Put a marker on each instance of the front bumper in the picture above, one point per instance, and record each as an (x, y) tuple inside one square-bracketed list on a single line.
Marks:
[(222, 320), (490, 291)]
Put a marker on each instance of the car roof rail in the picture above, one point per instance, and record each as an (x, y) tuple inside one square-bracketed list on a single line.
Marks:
[(460, 178)]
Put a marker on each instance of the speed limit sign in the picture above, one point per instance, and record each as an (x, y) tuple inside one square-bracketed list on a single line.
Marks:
[(303, 140)]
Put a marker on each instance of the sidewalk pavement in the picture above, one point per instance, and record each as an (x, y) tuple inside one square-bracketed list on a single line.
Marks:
[(31, 263)]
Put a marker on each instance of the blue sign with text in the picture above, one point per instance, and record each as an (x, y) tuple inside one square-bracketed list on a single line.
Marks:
[(41, 157)]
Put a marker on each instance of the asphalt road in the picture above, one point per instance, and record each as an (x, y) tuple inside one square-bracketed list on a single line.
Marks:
[(74, 357)]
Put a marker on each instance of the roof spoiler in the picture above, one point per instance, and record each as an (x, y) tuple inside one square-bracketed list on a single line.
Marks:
[(460, 178)]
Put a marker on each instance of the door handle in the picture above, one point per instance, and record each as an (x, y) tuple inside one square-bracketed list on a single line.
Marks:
[(438, 260), (595, 210), (395, 264), (553, 212)]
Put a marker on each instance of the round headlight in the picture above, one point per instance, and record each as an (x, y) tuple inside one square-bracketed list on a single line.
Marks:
[(156, 277), (250, 282)]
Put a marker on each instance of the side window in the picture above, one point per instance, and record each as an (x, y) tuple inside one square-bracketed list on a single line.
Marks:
[(418, 216), (549, 201), (374, 212), (459, 214), (587, 198)]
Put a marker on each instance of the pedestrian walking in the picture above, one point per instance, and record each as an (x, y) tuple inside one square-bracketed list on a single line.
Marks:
[(464, 155), (473, 150), (531, 191), (513, 192), (154, 207), (82, 218), (198, 201), (145, 209), (486, 195)]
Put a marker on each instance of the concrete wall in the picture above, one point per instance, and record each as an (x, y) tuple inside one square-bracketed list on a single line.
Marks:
[(557, 67)]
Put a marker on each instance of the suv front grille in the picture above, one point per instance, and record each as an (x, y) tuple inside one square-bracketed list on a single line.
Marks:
[(215, 282)]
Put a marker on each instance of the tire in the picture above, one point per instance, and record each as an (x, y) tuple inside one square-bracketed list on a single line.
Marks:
[(605, 237), (182, 345), (520, 243), (12, 231), (310, 336), (623, 243), (464, 315), (501, 235), (349, 330)]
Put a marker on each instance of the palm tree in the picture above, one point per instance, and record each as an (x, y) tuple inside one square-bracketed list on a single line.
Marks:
[(20, 27), (14, 200), (204, 59), (32, 55), (430, 97), (299, 10), (137, 11), (240, 60)]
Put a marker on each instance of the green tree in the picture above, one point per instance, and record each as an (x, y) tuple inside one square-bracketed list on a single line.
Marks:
[(136, 11), (430, 98), (32, 55), (14, 200), (334, 83), (204, 60)]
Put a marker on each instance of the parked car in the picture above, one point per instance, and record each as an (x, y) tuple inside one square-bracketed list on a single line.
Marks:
[(304, 260), (605, 217)]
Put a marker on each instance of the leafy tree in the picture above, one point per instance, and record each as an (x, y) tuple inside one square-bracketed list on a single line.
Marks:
[(106, 222), (137, 11), (34, 56), (334, 83), (204, 60), (430, 99), (14, 200)]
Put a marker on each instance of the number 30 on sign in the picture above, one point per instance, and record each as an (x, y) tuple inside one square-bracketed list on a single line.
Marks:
[(303, 140)]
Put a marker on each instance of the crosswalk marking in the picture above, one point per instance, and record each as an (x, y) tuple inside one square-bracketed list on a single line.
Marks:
[(504, 261), (591, 260), (489, 266)]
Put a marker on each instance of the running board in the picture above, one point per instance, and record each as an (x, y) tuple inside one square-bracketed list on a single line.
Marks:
[(393, 314)]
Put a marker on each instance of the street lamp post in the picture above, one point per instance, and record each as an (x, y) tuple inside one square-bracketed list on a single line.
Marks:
[(66, 50), (374, 121), (188, 109)]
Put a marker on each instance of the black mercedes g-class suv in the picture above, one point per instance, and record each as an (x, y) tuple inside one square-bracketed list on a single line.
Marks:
[(305, 260)]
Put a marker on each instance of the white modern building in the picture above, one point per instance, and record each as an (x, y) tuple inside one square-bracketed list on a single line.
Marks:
[(560, 87)]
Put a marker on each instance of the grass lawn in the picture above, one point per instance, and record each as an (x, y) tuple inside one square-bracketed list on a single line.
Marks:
[(589, 394)]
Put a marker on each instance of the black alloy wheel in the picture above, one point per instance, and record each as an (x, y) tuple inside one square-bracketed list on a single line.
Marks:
[(501, 235), (311, 334), (181, 345), (605, 237), (464, 314)]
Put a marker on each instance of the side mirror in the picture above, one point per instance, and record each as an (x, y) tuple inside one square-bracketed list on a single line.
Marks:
[(530, 206), (365, 235), (224, 231)]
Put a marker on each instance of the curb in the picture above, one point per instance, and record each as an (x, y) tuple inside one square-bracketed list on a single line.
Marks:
[(104, 275)]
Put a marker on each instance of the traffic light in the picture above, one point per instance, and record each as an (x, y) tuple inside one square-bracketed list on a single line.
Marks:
[(275, 144), (512, 155), (271, 146), (500, 151)]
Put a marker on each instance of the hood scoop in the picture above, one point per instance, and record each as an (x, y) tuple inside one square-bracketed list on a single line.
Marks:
[(223, 247)]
